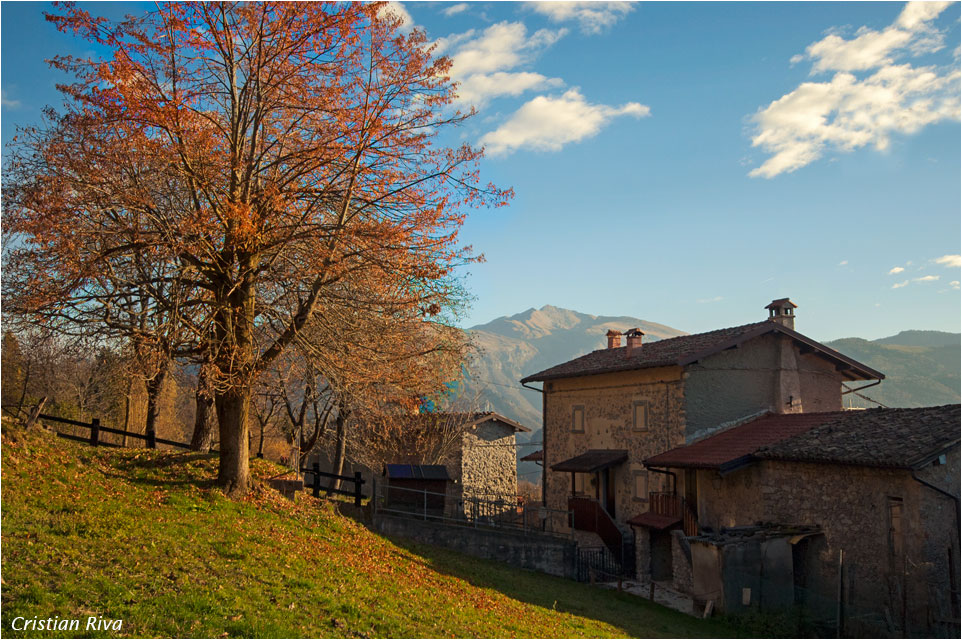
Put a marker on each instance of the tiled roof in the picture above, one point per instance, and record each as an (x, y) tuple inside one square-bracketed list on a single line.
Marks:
[(685, 350), (431, 418), (733, 447), (904, 438)]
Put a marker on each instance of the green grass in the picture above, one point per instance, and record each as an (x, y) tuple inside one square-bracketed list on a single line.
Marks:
[(145, 537)]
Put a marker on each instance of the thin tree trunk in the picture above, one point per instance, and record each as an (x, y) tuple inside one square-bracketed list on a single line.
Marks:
[(130, 390), (155, 387), (205, 416), (340, 447)]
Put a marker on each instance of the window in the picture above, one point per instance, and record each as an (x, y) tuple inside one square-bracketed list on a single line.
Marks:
[(578, 418), (895, 526), (641, 485), (639, 415)]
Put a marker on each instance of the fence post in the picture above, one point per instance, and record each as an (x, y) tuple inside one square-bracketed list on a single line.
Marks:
[(316, 468), (373, 496), (151, 439), (95, 431), (425, 492), (357, 488)]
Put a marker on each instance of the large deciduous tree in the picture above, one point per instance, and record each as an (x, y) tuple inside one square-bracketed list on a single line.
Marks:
[(273, 162)]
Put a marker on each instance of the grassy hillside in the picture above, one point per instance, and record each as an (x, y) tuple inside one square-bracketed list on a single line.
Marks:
[(145, 537)]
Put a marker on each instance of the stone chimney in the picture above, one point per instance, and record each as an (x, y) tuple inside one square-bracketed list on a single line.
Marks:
[(614, 339), (634, 339), (782, 311)]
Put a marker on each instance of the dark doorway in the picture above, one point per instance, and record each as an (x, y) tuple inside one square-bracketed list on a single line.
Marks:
[(660, 555), (691, 489), (606, 492)]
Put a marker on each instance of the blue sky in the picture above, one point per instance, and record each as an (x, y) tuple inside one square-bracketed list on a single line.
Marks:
[(687, 163)]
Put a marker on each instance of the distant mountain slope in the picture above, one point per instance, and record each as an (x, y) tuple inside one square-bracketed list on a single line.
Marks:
[(921, 367), (513, 347)]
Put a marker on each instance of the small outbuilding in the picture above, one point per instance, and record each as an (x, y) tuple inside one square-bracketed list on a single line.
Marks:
[(418, 488)]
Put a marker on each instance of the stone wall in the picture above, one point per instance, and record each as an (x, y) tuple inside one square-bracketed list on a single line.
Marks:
[(535, 551), (489, 467), (681, 563), (608, 402), (903, 581)]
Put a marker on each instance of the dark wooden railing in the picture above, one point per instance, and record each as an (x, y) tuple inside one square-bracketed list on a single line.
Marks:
[(674, 506)]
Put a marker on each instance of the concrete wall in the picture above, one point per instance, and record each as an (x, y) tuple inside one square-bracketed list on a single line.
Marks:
[(768, 373), (682, 579), (608, 400), (538, 552)]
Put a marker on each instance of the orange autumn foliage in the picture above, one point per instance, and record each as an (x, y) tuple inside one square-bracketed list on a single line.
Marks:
[(278, 161)]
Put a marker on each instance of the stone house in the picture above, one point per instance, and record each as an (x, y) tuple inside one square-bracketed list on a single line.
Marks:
[(607, 412), (867, 506), (484, 469)]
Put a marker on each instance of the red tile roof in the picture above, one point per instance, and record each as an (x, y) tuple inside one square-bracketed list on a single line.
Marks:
[(901, 438), (684, 350), (730, 449)]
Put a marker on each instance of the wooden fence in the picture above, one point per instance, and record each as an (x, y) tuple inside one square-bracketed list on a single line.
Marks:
[(316, 488), (96, 429)]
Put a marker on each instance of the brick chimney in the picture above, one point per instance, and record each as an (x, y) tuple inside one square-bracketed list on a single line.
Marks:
[(614, 339), (634, 339), (782, 311)]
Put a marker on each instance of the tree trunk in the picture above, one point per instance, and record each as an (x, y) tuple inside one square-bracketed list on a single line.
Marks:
[(233, 413), (205, 416), (130, 390), (340, 446), (155, 387)]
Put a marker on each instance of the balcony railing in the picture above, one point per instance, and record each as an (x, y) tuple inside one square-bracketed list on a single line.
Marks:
[(674, 506)]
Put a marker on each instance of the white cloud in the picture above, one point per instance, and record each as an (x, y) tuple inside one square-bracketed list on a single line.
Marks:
[(7, 102), (502, 46), (455, 9), (954, 284), (483, 63), (709, 300), (852, 111), (480, 88), (547, 124), (593, 17), (895, 270), (843, 263), (920, 279), (950, 260)]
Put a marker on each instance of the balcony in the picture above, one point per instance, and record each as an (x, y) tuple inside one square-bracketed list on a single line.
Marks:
[(671, 505)]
